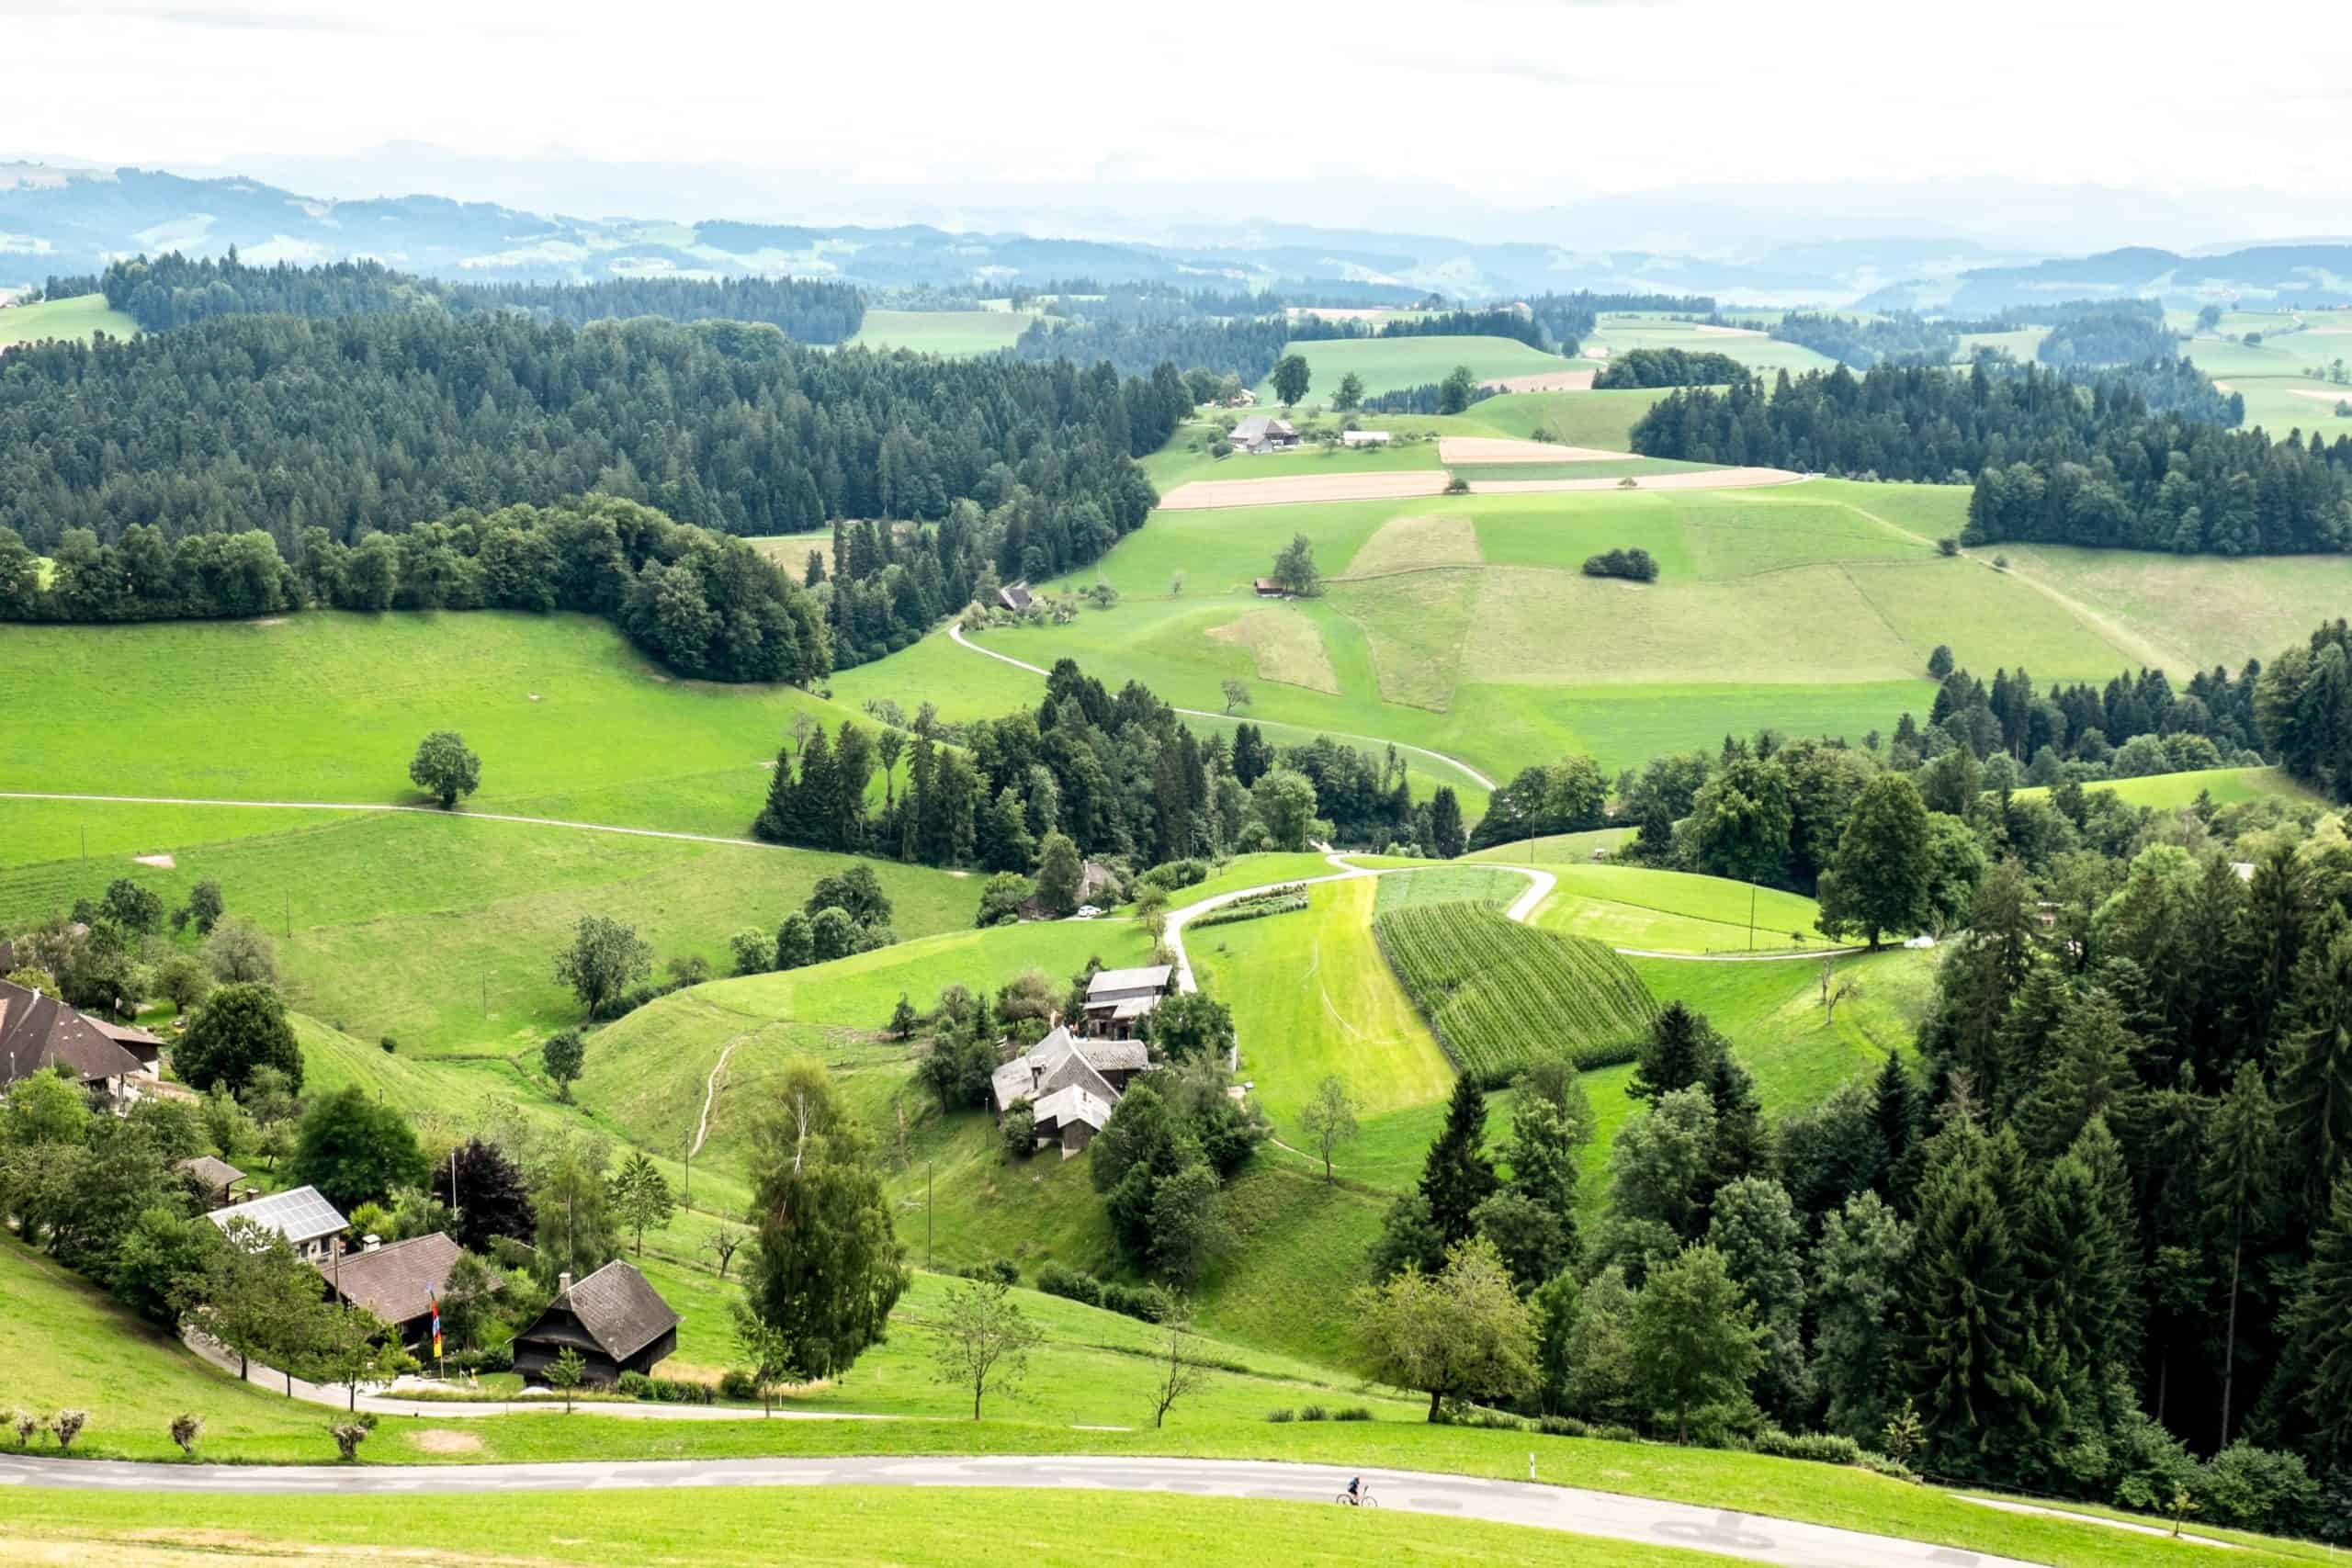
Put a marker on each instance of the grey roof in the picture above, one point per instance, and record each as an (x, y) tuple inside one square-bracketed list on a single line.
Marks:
[(1014, 595), (218, 1174), (620, 1307), (299, 1216), (1113, 984), (39, 1032), (1258, 426), (1073, 1105), (1060, 1061), (397, 1281)]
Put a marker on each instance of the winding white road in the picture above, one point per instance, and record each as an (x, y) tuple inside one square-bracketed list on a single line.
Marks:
[(1605, 1515)]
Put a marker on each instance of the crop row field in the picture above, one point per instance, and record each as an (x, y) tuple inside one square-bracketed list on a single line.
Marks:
[(1502, 996)]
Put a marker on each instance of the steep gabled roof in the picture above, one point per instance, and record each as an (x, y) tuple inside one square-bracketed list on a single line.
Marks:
[(397, 1281), (216, 1174), (1073, 1106), (39, 1032), (1111, 984), (619, 1309)]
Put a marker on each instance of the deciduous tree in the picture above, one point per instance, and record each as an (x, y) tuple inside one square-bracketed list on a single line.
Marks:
[(982, 1340), (443, 767)]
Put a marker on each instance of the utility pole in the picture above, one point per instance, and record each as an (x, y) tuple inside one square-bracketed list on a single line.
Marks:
[(1751, 916), (926, 1214), (688, 1201)]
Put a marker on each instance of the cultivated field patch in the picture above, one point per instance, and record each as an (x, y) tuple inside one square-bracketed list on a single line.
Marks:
[(1415, 624), (1297, 490), (1284, 646), (1704, 479), (1552, 382), (1454, 450), (1421, 540)]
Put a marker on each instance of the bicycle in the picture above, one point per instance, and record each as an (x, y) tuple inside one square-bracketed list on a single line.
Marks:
[(1362, 1499)]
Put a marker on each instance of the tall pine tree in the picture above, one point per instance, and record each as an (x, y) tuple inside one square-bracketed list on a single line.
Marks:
[(1457, 1176)]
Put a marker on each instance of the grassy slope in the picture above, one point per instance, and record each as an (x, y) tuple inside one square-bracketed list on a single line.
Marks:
[(330, 706), (437, 930), (949, 333), (1673, 911), (1620, 331), (1396, 364), (77, 318), (832, 1526)]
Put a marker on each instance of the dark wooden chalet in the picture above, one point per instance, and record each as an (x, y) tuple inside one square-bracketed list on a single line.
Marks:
[(613, 1318)]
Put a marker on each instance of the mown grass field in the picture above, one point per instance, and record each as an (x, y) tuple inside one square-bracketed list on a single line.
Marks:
[(77, 319), (1617, 331), (949, 333), (1674, 911), (1398, 364)]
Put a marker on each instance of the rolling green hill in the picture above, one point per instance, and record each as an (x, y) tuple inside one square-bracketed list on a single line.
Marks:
[(947, 333), (75, 318), (1396, 364)]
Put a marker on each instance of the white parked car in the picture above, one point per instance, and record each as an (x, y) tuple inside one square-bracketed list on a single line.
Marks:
[(1087, 912)]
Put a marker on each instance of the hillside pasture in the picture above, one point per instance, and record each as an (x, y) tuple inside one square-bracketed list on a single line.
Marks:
[(1674, 911), (951, 334), (76, 319), (1399, 364), (1618, 332)]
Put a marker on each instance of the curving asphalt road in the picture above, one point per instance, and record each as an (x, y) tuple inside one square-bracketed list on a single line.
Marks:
[(1605, 1515)]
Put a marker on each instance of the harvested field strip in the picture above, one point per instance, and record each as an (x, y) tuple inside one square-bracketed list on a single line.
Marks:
[(1295, 489), (1600, 466), (1416, 542), (1499, 995), (1456, 449), (1285, 647), (1712, 478), (1553, 381)]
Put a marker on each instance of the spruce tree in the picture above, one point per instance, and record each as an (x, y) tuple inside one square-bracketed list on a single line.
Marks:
[(1680, 1049), (1857, 1283), (1965, 1323), (2318, 1323), (2315, 1071), (1457, 1176), (2090, 1075), (775, 818), (2240, 1176), (1894, 1111)]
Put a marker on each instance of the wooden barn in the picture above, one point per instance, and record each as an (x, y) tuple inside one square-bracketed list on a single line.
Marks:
[(615, 1320)]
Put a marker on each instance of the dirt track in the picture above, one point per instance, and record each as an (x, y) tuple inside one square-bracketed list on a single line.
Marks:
[(1712, 478), (1464, 449), (1297, 490)]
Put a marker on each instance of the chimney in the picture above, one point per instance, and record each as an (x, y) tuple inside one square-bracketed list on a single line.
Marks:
[(563, 1282), (370, 1243), (1036, 1077)]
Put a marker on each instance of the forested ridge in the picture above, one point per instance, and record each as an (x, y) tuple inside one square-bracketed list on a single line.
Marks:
[(2052, 460), (173, 290)]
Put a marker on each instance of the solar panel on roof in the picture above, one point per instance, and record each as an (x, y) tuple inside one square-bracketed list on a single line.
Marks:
[(303, 1213)]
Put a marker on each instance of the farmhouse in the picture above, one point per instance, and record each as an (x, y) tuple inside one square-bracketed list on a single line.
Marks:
[(1118, 999), (401, 1284), (1014, 597), (613, 1318), (216, 1180), (1363, 438), (1070, 1085), (1264, 433), (37, 1032), (303, 1216), (1269, 589)]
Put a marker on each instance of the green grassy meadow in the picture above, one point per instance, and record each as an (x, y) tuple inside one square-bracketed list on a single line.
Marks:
[(1619, 331), (1398, 364), (76, 319), (950, 332)]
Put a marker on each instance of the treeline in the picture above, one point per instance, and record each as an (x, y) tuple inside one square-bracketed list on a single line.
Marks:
[(1114, 777), (706, 606), (2126, 334), (374, 422), (1244, 347), (1668, 367), (1450, 396), (1904, 335), (2304, 704), (2172, 483), (2136, 726), (173, 290), (1499, 322)]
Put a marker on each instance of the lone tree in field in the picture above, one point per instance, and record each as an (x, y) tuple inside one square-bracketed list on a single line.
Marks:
[(641, 1194), (1237, 695), (984, 1341), (1462, 1334), (1329, 1120), (1181, 1377), (604, 959), (1295, 570), (563, 1057), (1453, 393), (1881, 878), (1350, 396), (565, 1372), (444, 768), (1291, 379)]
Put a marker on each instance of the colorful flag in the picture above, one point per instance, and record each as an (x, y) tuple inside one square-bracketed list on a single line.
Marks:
[(434, 1298)]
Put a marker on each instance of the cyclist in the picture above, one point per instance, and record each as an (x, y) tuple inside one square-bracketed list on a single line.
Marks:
[(1355, 1491)]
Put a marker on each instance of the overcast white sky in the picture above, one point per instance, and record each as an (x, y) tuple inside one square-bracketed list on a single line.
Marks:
[(1522, 102)]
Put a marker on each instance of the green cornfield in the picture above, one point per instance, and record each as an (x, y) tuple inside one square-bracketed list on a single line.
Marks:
[(1500, 995)]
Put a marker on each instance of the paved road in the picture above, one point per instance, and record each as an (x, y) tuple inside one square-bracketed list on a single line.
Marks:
[(956, 634), (1601, 1513)]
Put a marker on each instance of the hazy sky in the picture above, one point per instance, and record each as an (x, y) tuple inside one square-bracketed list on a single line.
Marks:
[(1518, 101)]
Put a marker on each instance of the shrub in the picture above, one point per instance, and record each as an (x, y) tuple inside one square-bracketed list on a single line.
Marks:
[(1353, 1413), (66, 1426), (1948, 545), (347, 1436), (1635, 565), (1563, 1427), (185, 1429), (1055, 1280), (1616, 1434), (389, 1045), (2258, 1489), (1821, 1448), (2000, 563), (1175, 874), (1457, 1413), (636, 1385), (1314, 1413), (1456, 485), (1279, 1417), (737, 1383), (1019, 1130), (1893, 1468), (995, 1270), (26, 1424), (1146, 1302)]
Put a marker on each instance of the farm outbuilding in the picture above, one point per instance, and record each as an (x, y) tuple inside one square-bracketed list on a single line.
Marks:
[(217, 1179), (1264, 433), (1363, 438), (613, 1318), (1118, 999)]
